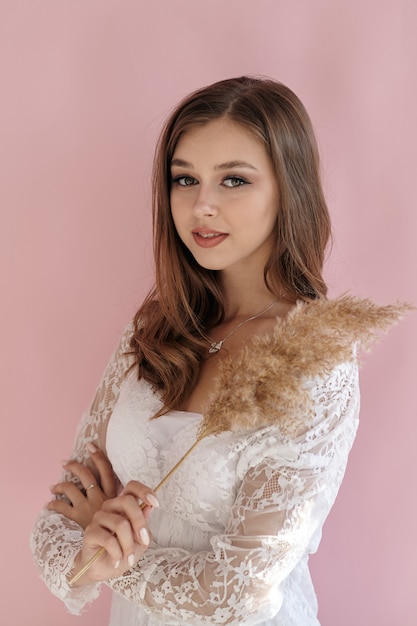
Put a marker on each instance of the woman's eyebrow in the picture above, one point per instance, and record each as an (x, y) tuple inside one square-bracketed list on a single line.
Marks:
[(231, 164), (181, 163), (222, 166)]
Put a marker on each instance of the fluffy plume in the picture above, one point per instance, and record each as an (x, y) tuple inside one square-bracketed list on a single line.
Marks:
[(263, 384)]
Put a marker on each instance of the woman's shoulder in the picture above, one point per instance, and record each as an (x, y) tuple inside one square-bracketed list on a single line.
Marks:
[(123, 340)]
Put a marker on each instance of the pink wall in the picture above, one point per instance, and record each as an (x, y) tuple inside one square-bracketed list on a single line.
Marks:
[(85, 86)]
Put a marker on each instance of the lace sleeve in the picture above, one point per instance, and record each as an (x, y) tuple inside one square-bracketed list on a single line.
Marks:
[(55, 540), (275, 520)]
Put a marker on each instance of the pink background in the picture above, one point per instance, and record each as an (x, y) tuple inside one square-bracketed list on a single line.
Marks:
[(85, 86)]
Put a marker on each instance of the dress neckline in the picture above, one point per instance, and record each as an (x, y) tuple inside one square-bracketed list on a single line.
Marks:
[(178, 412)]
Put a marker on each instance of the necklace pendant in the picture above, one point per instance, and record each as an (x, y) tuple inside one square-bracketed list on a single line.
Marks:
[(215, 347)]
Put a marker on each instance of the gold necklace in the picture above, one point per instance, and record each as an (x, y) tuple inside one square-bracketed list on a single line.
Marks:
[(216, 346)]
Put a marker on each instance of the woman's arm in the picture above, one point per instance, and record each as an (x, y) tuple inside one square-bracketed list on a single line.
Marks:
[(56, 539)]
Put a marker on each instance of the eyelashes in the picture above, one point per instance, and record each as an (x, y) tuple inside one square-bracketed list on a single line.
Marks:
[(229, 181), (184, 181), (235, 181)]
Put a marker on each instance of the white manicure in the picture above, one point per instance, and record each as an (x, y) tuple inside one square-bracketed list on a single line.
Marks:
[(91, 448), (131, 560), (152, 500), (144, 535)]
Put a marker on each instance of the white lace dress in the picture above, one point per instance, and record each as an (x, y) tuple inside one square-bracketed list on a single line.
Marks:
[(237, 520)]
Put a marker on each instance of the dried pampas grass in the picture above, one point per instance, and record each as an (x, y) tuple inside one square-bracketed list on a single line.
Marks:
[(263, 385)]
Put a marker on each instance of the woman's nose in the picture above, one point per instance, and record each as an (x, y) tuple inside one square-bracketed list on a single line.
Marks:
[(205, 203)]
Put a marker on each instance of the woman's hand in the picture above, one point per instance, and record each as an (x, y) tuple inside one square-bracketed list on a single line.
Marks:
[(121, 528), (82, 503)]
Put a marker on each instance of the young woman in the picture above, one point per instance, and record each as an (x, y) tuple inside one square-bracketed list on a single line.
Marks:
[(237, 347)]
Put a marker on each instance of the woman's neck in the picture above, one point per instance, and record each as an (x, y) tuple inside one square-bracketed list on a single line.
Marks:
[(245, 296)]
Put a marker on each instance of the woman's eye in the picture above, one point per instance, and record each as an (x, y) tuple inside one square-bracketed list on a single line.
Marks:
[(234, 181), (184, 181)]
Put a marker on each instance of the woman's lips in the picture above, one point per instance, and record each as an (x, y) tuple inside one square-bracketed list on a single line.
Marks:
[(208, 238)]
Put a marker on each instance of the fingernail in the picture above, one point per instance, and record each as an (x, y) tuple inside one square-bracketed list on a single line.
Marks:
[(64, 462), (131, 560), (51, 487), (117, 564), (91, 448), (144, 535), (152, 500)]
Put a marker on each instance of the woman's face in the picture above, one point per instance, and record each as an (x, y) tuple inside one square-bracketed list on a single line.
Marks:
[(224, 196)]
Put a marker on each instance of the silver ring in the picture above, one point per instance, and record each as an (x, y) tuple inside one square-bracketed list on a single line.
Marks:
[(90, 486)]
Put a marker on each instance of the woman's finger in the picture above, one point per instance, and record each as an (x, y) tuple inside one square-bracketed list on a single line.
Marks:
[(121, 551), (61, 507), (128, 507), (70, 491), (72, 503), (141, 492), (118, 528), (86, 477), (75, 504), (98, 535), (105, 470)]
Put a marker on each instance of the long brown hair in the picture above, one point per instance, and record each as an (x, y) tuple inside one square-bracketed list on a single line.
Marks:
[(172, 324)]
